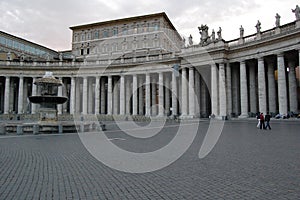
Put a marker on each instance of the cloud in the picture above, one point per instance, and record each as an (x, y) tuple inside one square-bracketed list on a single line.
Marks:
[(47, 22)]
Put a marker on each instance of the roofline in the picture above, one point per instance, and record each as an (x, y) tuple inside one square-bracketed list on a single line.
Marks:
[(24, 40), (162, 14)]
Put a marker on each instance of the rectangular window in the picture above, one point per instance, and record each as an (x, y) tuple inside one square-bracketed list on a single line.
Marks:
[(81, 51), (115, 32), (105, 33), (96, 35), (3, 40), (88, 51)]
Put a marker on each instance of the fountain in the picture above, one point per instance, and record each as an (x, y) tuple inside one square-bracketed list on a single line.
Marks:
[(48, 101)]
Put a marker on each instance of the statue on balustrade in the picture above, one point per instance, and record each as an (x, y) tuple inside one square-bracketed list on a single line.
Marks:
[(183, 42), (241, 32), (213, 35), (205, 38), (190, 40), (219, 33), (277, 22), (258, 27), (297, 12)]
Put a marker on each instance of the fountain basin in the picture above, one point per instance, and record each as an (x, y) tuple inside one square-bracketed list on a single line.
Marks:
[(48, 99)]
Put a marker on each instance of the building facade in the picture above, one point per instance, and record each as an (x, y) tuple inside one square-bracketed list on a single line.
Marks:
[(140, 66)]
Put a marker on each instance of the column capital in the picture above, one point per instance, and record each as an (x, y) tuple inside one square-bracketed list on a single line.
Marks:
[(280, 54), (260, 59)]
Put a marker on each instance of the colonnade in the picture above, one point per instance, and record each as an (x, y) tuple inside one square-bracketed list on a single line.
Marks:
[(161, 93), (265, 84)]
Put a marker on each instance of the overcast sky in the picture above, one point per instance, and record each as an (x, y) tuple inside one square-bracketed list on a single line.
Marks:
[(47, 22)]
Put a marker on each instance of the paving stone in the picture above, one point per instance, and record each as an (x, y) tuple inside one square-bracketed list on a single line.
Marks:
[(246, 163)]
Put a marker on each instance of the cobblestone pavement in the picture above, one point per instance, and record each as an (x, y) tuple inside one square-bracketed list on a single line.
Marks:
[(246, 163)]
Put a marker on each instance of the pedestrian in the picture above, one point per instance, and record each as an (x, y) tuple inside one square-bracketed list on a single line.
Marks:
[(268, 119), (258, 119), (262, 121)]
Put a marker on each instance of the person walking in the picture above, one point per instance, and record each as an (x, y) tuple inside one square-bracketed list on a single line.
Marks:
[(268, 119), (258, 119), (262, 121)]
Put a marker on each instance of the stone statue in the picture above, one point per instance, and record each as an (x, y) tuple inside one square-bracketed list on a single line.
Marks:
[(183, 42), (258, 26), (297, 12), (205, 39), (60, 56), (190, 40), (213, 35), (277, 22), (241, 32), (219, 33)]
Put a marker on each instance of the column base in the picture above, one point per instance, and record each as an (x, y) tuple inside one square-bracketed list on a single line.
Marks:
[(221, 117), (243, 116), (186, 117)]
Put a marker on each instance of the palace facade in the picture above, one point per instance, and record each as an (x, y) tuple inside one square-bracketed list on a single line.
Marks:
[(141, 66)]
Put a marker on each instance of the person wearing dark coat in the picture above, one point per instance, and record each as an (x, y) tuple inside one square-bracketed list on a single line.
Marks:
[(267, 120)]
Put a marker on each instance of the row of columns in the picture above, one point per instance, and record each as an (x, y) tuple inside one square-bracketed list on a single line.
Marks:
[(141, 89), (284, 87), (150, 93), (264, 97)]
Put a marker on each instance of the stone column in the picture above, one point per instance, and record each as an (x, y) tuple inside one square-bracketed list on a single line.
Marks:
[(243, 89), (197, 93), (222, 91), (103, 96), (292, 87), (228, 89), (78, 95), (128, 95), (271, 87), (262, 97), (59, 93), (160, 94), (167, 94), (184, 91), (141, 96), (116, 96), (109, 95), (134, 95), (72, 96), (214, 91), (122, 95), (91, 100), (153, 95), (282, 93), (148, 95), (21, 94), (25, 96), (235, 91), (7, 95), (203, 97), (97, 95), (174, 94), (191, 92), (33, 93), (252, 88), (84, 95)]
